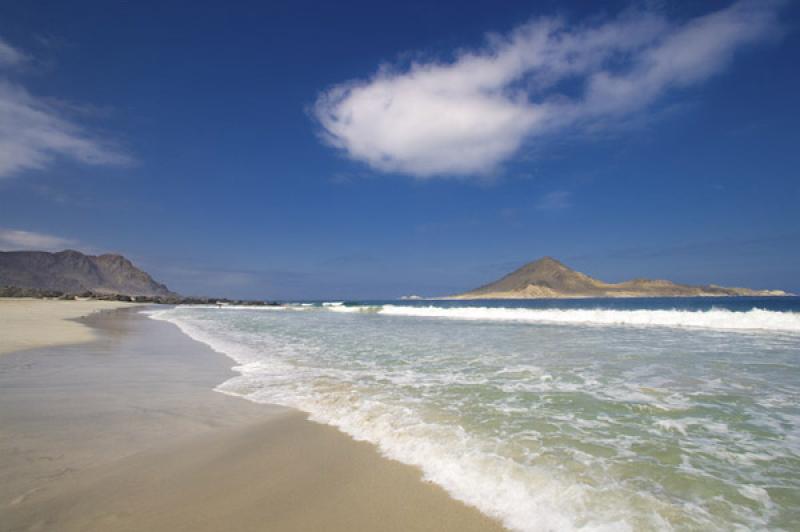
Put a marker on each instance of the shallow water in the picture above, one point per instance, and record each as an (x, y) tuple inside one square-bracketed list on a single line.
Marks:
[(549, 415)]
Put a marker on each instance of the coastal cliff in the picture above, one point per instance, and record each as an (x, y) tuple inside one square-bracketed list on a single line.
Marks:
[(71, 271)]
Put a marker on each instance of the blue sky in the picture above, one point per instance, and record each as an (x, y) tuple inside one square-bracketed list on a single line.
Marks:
[(365, 150)]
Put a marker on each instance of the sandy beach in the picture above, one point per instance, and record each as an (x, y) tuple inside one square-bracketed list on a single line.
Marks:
[(32, 323), (125, 432)]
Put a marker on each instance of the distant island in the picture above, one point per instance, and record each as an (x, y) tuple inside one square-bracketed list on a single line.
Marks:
[(70, 274), (549, 278)]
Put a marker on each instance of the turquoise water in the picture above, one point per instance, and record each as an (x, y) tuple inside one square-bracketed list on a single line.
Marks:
[(551, 415)]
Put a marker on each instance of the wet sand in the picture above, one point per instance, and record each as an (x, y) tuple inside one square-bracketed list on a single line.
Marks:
[(125, 433)]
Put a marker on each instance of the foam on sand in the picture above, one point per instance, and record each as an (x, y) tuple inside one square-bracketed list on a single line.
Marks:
[(546, 419), (523, 499)]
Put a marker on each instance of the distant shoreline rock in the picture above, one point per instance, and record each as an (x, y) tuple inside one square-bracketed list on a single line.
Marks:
[(17, 292)]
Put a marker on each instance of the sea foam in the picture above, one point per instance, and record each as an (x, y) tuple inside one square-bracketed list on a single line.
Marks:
[(573, 427), (523, 499), (722, 319)]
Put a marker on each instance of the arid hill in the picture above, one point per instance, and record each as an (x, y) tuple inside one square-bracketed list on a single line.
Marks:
[(73, 272), (548, 278)]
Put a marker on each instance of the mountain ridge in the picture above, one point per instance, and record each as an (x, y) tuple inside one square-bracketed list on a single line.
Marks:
[(549, 278), (71, 271)]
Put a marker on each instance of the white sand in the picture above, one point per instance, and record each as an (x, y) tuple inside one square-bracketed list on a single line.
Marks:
[(31, 323)]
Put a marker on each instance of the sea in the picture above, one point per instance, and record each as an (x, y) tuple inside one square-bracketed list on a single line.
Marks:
[(592, 414)]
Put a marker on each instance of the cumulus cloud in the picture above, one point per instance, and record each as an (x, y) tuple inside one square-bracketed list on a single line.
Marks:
[(15, 239), (467, 116), (34, 132)]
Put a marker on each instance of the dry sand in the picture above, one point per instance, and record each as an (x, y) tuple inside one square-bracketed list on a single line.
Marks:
[(31, 323), (125, 433)]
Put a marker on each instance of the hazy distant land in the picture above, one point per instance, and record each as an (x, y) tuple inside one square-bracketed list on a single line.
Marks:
[(549, 278), (70, 274)]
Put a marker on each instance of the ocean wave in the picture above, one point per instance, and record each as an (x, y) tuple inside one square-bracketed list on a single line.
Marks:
[(755, 319), (507, 472), (723, 319), (471, 470)]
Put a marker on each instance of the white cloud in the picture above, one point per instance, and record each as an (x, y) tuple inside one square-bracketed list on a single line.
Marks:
[(34, 132), (467, 116), (14, 239)]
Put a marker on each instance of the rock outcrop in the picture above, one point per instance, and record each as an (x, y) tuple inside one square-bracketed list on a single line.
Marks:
[(74, 272)]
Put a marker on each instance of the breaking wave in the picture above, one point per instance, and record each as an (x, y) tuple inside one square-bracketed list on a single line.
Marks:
[(589, 427), (750, 320)]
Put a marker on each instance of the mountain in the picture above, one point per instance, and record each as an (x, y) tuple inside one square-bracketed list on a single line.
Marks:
[(73, 272), (548, 278)]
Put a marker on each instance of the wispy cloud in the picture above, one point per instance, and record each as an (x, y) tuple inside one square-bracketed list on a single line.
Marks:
[(554, 201), (466, 116), (15, 239), (10, 56), (35, 131)]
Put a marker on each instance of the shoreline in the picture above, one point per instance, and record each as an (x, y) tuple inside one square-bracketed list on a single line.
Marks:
[(127, 433)]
